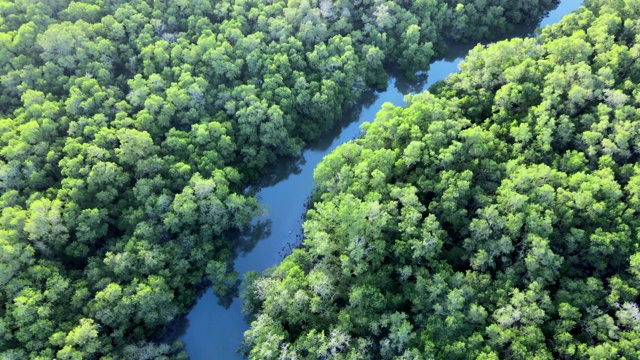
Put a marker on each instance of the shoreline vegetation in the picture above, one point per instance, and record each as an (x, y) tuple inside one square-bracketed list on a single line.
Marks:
[(494, 216), (128, 131)]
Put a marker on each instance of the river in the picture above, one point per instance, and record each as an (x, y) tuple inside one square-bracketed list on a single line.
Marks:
[(214, 331)]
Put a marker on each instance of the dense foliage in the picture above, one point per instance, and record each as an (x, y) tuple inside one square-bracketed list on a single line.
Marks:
[(493, 217), (129, 129)]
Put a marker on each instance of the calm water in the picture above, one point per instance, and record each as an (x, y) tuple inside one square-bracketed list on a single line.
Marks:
[(213, 331)]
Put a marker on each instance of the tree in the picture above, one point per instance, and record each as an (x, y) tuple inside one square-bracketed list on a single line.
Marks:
[(492, 218)]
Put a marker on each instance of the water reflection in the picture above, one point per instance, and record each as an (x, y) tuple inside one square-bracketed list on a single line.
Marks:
[(247, 240), (350, 115)]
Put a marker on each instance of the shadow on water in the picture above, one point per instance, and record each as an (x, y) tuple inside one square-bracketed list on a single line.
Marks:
[(246, 240), (281, 172), (350, 115), (244, 243), (227, 299), (213, 329), (287, 167), (409, 86)]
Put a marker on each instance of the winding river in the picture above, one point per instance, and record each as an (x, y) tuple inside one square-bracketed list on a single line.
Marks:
[(213, 330)]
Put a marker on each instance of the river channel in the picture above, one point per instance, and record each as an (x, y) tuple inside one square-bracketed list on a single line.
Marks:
[(214, 331)]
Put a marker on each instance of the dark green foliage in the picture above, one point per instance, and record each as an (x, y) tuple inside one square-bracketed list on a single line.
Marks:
[(129, 129), (493, 217)]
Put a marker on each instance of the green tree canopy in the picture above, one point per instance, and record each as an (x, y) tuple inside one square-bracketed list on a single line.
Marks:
[(492, 217)]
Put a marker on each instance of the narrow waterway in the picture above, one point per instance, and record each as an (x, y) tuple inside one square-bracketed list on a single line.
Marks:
[(213, 331)]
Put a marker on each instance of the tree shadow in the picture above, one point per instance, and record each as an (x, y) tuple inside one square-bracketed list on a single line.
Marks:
[(225, 300), (351, 113), (246, 240), (407, 85)]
